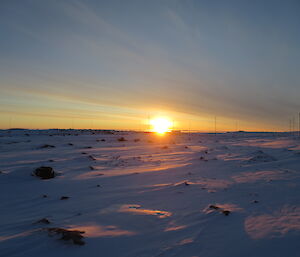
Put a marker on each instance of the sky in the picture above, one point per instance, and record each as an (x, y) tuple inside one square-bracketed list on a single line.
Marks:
[(116, 64)]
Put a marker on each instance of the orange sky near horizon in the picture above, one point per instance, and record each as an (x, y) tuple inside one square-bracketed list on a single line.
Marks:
[(139, 123)]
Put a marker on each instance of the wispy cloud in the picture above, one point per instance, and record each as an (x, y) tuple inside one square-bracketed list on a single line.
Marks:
[(186, 58)]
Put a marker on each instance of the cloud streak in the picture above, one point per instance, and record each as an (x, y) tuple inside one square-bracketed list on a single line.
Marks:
[(193, 60)]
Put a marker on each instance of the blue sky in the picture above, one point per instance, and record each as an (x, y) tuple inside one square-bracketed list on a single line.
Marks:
[(113, 63)]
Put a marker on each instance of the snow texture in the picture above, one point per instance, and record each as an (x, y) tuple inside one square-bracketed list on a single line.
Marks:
[(185, 195)]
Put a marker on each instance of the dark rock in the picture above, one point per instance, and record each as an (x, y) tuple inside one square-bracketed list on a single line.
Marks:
[(68, 235), (225, 212), (121, 139), (64, 198), (203, 159), (214, 207), (47, 146), (91, 157), (45, 172), (44, 221)]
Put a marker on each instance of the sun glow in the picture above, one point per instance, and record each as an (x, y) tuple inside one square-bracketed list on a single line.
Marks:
[(161, 125)]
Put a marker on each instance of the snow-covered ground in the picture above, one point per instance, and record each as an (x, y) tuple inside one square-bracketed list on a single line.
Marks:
[(185, 195)]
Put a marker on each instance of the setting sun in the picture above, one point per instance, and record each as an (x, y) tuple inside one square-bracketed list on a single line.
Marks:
[(161, 125)]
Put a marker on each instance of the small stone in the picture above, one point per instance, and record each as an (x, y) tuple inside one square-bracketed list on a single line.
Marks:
[(225, 212), (47, 146), (91, 157), (214, 207), (44, 221)]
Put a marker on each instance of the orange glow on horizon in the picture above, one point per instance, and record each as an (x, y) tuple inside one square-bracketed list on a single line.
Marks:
[(161, 125)]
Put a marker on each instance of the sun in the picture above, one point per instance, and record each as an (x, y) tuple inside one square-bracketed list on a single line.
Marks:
[(161, 125)]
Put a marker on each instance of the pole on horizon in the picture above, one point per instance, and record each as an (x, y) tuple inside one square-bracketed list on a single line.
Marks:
[(299, 124), (293, 132), (215, 125)]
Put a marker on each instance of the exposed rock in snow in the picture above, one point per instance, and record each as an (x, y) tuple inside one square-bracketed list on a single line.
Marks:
[(75, 236), (44, 172)]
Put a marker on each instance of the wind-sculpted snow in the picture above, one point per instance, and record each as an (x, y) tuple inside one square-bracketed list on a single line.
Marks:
[(268, 175), (277, 224), (136, 209), (96, 230), (133, 194)]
